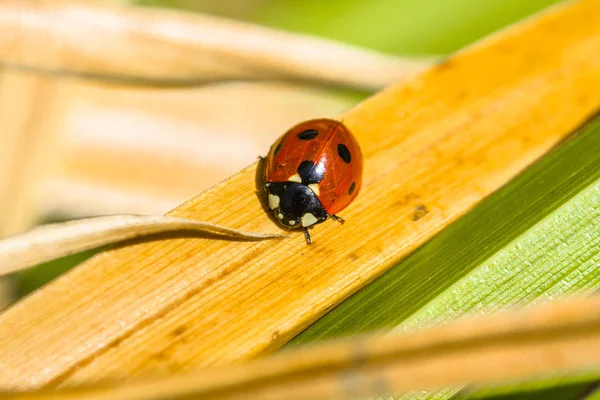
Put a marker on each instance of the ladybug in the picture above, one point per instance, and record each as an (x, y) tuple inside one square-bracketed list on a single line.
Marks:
[(311, 173)]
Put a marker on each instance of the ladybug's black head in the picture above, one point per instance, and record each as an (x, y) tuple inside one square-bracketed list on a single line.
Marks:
[(295, 205)]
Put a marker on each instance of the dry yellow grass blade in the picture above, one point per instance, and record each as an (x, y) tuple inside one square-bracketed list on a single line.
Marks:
[(51, 241), (176, 47), (440, 142), (12, 151), (26, 154), (560, 337)]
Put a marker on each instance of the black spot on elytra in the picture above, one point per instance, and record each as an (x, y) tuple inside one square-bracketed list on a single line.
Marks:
[(277, 149), (344, 153), (310, 173), (308, 134), (351, 188)]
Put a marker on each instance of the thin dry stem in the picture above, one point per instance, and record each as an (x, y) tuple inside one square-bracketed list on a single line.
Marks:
[(26, 154), (51, 241)]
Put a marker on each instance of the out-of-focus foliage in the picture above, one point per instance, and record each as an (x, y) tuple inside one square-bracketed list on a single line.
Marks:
[(392, 26), (36, 277), (40, 275)]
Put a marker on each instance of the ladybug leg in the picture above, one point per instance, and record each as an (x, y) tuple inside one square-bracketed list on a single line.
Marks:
[(261, 158), (338, 219), (307, 236)]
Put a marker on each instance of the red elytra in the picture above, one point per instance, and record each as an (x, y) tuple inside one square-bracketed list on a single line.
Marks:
[(313, 172)]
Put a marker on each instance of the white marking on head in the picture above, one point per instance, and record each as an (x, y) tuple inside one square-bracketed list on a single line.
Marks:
[(273, 201), (295, 178), (292, 222), (315, 188), (280, 216), (308, 219)]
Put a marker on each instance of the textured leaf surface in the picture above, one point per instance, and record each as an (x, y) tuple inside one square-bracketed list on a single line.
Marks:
[(535, 239)]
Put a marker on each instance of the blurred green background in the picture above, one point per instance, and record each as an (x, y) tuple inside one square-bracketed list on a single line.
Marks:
[(401, 27)]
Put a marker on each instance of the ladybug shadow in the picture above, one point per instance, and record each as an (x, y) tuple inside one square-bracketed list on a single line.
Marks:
[(179, 234)]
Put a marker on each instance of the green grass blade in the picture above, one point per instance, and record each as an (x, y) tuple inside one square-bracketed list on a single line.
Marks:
[(568, 391), (593, 393), (575, 386), (536, 238)]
